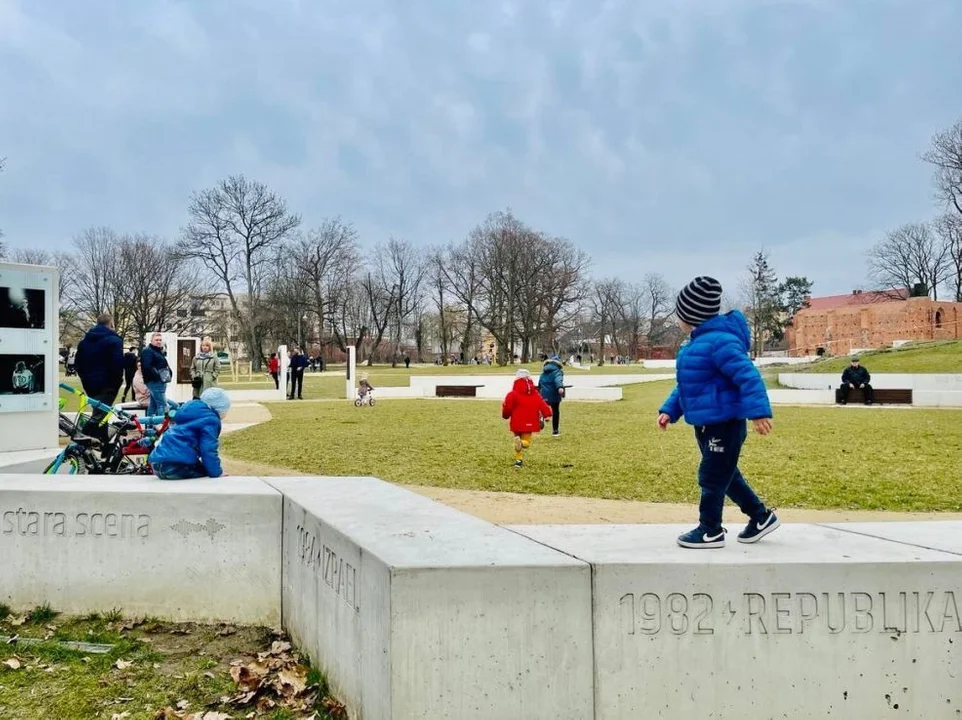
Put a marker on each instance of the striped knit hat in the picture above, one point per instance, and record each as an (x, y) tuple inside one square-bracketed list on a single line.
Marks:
[(699, 300)]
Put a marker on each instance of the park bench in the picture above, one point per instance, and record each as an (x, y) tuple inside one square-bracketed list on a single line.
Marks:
[(456, 390), (881, 397)]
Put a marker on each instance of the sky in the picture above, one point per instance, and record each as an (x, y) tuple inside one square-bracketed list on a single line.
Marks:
[(672, 137)]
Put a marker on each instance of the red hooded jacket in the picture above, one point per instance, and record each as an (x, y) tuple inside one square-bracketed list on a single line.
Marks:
[(524, 406)]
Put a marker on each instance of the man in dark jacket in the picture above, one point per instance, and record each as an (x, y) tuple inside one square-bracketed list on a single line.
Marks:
[(130, 369), (298, 363), (100, 364), (856, 377), (157, 373)]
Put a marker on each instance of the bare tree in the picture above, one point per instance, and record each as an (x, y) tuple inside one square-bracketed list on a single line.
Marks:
[(401, 271), (233, 230), (327, 258), (659, 302), (158, 289), (949, 229), (910, 257), (946, 155), (604, 302), (97, 277), (381, 303), (462, 273), (441, 297)]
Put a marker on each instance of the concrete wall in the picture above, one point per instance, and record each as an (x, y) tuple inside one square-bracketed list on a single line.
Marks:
[(187, 550), (928, 389), (801, 397), (414, 609), (813, 622), (29, 422)]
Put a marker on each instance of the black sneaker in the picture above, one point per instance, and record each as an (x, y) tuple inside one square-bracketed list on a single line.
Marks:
[(702, 538), (757, 529), (519, 463)]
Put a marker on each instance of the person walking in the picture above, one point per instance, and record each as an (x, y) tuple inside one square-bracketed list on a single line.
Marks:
[(551, 386), (157, 373), (298, 363), (100, 366), (274, 368), (205, 369), (130, 368)]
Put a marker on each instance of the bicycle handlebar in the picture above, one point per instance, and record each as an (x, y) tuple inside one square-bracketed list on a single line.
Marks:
[(155, 420)]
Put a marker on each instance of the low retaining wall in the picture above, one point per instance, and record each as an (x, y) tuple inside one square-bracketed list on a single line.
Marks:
[(187, 550), (928, 389), (414, 609), (812, 622), (759, 362)]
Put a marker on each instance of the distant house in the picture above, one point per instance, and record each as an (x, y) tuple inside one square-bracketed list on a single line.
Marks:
[(870, 319)]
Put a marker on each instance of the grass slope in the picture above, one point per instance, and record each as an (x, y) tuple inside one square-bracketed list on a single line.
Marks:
[(917, 358), (852, 458)]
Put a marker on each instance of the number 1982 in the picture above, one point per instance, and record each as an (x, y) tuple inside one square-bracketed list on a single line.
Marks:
[(648, 614)]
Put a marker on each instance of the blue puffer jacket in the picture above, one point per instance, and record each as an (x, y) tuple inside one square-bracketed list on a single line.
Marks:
[(191, 439), (717, 380), (551, 380)]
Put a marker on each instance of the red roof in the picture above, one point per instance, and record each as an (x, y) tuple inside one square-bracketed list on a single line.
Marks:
[(830, 302)]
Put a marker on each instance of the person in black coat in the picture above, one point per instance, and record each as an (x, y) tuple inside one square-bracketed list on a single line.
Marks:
[(100, 364), (857, 377), (130, 369), (298, 363)]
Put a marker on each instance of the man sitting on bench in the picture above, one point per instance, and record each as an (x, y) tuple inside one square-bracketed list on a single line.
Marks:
[(856, 377)]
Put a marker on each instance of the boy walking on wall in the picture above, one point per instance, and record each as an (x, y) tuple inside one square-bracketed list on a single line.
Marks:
[(523, 408), (718, 388)]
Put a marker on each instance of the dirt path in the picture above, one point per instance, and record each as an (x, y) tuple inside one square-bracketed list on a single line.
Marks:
[(518, 509)]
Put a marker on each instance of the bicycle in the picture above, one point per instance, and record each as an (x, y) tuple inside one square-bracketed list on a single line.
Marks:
[(118, 452)]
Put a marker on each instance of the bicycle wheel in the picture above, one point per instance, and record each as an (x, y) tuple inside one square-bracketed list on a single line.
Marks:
[(69, 465)]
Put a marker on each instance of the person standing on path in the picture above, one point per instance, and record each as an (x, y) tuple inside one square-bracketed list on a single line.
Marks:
[(274, 368), (100, 366), (130, 367), (205, 369), (298, 363), (718, 388), (157, 373), (551, 386)]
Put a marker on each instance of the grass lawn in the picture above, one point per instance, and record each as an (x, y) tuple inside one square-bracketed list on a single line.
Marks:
[(851, 458), (941, 357), (151, 666)]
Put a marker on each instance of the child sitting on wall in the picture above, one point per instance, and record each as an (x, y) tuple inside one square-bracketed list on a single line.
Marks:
[(189, 447)]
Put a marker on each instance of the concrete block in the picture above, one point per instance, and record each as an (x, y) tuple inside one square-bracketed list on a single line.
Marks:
[(929, 398), (944, 535), (188, 550), (812, 622), (801, 397), (416, 610)]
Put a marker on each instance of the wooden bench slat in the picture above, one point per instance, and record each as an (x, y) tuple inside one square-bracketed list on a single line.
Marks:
[(894, 396), (456, 390)]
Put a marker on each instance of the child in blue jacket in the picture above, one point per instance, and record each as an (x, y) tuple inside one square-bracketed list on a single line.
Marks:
[(718, 388), (188, 448)]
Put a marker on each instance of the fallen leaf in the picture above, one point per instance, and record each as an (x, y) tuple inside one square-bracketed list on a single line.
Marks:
[(18, 621), (120, 716), (228, 630), (13, 663), (291, 683), (211, 715), (183, 705), (278, 647), (122, 664)]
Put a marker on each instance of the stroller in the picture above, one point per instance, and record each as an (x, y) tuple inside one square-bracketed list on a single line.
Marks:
[(365, 392)]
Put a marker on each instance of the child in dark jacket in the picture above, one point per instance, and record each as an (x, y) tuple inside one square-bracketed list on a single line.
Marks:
[(523, 407), (188, 449), (718, 388)]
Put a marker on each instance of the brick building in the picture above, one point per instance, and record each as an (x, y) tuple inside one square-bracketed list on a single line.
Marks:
[(862, 320)]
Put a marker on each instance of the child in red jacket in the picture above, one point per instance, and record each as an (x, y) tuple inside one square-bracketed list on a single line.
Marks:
[(524, 407)]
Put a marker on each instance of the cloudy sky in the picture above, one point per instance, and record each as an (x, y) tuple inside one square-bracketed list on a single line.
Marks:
[(675, 137)]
